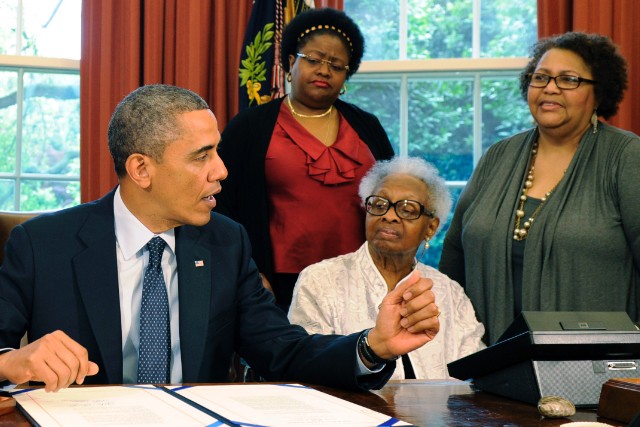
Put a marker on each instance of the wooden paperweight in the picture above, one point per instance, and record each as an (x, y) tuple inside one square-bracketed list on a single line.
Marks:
[(620, 399)]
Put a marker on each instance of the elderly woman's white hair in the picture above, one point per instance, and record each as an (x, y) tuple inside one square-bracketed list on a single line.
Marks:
[(439, 197)]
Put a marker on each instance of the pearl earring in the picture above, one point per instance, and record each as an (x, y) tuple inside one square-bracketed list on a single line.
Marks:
[(594, 121), (426, 243)]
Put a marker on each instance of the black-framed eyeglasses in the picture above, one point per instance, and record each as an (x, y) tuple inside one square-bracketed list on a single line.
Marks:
[(563, 81), (334, 66), (405, 209)]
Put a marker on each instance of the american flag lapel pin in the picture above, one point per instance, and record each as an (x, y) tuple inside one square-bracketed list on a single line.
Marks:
[(199, 263)]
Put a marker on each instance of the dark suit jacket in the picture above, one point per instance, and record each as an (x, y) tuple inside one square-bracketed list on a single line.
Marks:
[(60, 272)]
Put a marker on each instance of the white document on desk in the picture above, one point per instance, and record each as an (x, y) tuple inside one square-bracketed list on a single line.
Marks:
[(110, 406), (282, 405)]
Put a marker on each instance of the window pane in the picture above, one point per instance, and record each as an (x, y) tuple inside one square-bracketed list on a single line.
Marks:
[(51, 28), (432, 255), (8, 117), (441, 125), (380, 30), (508, 28), (8, 23), (51, 124), (7, 194), (48, 195), (439, 29), (381, 98), (504, 112)]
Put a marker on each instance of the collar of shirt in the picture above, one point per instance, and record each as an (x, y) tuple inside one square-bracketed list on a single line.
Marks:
[(131, 234), (131, 238)]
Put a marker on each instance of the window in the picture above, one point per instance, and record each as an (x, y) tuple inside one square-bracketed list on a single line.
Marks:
[(39, 104), (442, 77)]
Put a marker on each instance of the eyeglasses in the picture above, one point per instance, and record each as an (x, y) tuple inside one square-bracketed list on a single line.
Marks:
[(316, 62), (405, 209), (563, 81)]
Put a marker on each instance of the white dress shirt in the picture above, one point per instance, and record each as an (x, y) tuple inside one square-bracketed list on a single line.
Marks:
[(133, 256)]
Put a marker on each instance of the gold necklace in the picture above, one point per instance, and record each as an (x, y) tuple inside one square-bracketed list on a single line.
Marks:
[(327, 133), (521, 233), (308, 116)]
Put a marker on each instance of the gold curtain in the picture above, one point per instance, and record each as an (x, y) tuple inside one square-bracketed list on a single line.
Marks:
[(130, 43), (336, 4)]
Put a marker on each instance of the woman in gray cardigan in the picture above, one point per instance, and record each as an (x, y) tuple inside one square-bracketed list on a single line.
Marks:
[(549, 220)]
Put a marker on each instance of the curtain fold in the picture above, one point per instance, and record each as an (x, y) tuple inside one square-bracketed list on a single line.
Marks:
[(613, 18), (130, 43), (336, 4)]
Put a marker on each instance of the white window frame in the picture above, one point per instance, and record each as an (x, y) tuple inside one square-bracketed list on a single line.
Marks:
[(469, 68), (475, 68), (21, 64)]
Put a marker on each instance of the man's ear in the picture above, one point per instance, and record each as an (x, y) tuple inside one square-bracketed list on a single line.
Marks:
[(139, 168)]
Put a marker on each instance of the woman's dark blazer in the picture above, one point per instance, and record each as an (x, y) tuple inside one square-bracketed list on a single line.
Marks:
[(243, 148)]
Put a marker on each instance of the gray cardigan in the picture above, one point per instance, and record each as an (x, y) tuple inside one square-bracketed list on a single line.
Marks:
[(582, 253)]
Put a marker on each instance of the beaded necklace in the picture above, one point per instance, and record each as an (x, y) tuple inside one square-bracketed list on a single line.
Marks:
[(308, 116), (521, 233)]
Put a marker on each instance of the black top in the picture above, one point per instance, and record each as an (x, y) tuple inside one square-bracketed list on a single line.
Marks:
[(243, 148), (517, 256)]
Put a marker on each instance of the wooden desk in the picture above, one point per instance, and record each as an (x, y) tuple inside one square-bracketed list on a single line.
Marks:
[(440, 403), (434, 403)]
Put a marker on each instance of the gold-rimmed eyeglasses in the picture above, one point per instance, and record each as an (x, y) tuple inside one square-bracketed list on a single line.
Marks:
[(405, 209), (563, 81), (334, 66)]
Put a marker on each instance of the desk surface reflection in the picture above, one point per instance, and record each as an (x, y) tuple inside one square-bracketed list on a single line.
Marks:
[(433, 403)]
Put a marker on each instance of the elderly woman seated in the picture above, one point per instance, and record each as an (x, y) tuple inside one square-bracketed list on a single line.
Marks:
[(405, 200)]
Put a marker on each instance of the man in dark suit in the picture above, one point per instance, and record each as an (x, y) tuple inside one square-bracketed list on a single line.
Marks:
[(74, 279)]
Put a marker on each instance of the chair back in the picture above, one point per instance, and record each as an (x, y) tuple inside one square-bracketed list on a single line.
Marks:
[(8, 220)]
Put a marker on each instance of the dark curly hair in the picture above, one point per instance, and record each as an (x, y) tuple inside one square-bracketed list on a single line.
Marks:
[(295, 35), (599, 54)]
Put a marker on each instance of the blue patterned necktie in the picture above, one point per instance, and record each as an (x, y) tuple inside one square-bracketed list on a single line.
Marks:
[(154, 353)]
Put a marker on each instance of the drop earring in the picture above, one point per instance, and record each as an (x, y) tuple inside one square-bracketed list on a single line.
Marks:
[(289, 77), (426, 243), (343, 90), (594, 121)]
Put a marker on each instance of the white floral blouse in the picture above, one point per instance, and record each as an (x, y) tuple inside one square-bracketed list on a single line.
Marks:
[(341, 295)]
